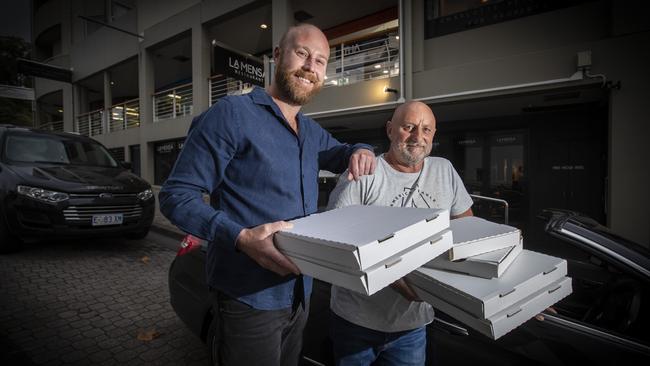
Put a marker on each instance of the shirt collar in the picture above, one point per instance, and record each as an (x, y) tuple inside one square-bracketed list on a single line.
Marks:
[(260, 96)]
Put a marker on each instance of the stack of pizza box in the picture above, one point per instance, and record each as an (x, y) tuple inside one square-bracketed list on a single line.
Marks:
[(365, 248), (488, 281)]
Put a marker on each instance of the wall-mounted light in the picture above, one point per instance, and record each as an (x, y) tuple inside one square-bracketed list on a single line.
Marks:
[(263, 26), (112, 83), (391, 90)]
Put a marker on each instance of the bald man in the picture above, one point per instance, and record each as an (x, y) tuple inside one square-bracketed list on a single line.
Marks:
[(258, 157), (389, 327)]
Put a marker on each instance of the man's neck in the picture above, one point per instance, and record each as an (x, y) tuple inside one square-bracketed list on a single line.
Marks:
[(289, 111), (401, 167)]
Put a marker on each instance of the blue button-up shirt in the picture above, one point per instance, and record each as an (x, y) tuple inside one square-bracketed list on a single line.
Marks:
[(257, 170)]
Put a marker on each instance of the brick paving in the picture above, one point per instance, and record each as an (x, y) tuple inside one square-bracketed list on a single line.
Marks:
[(85, 302)]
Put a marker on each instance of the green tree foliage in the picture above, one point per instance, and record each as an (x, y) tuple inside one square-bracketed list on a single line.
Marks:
[(14, 111), (11, 49)]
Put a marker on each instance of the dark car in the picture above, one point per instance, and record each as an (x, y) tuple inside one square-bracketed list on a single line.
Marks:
[(66, 185), (604, 321)]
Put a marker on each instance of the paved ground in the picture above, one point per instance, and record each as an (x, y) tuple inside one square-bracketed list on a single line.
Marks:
[(99, 302)]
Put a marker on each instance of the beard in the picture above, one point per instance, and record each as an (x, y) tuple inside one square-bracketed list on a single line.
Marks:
[(291, 89), (412, 153)]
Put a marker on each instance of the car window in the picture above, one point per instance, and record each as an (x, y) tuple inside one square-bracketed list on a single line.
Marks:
[(607, 298), (32, 148)]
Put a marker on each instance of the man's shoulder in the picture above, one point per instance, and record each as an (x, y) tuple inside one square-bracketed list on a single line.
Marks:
[(438, 161), (225, 110)]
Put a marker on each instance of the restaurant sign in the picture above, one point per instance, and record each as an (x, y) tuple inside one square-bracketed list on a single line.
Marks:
[(246, 68)]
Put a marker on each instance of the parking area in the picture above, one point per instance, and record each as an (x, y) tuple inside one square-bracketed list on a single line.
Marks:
[(99, 302)]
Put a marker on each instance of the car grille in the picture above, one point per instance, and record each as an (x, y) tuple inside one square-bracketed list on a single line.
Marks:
[(96, 195), (84, 214)]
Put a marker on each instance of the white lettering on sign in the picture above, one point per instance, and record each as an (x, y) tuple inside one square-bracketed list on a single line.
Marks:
[(165, 148), (502, 140), (348, 50), (247, 69), (467, 142)]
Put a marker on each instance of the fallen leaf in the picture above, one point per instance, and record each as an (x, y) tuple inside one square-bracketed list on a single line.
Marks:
[(148, 335), (145, 259)]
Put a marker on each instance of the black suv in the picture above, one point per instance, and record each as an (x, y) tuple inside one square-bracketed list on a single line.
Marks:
[(63, 184)]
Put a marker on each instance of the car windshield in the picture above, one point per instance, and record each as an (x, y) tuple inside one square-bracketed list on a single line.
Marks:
[(36, 148), (603, 231)]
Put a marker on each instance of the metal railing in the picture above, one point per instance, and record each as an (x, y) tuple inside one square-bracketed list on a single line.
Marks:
[(220, 86), (91, 123), (56, 126), (124, 115), (353, 62), (173, 103), (496, 200)]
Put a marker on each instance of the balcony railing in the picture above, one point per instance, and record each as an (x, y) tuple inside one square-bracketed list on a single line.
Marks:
[(124, 115), (220, 86), (173, 103), (353, 62), (56, 126), (91, 123)]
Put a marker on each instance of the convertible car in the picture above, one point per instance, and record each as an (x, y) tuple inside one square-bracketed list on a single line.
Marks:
[(604, 321)]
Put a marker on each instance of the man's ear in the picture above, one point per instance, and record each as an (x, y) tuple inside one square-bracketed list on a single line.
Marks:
[(276, 54)]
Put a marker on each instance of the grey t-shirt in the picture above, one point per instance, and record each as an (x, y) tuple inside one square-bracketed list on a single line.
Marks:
[(437, 185)]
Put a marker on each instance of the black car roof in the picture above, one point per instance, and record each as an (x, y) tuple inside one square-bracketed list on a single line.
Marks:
[(597, 239)]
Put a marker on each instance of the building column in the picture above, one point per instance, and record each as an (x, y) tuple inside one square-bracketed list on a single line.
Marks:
[(108, 102), (146, 84), (200, 68), (417, 36), (406, 49), (69, 109), (281, 19)]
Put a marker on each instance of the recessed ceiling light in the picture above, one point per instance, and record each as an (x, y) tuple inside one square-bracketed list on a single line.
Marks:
[(377, 66), (263, 26), (397, 37), (385, 71)]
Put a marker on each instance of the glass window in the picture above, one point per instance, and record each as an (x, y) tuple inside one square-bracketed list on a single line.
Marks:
[(56, 150)]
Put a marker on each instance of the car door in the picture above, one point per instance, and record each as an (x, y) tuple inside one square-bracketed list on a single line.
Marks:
[(601, 322)]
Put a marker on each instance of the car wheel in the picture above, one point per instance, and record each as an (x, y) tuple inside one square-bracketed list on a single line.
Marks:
[(8, 242), (138, 234), (212, 342)]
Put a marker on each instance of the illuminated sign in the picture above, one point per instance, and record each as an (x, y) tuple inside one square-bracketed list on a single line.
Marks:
[(246, 68)]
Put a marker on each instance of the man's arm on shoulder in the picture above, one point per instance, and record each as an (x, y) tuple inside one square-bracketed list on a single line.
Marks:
[(335, 156), (347, 193)]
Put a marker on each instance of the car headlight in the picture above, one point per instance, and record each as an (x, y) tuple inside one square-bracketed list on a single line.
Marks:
[(145, 195), (42, 194)]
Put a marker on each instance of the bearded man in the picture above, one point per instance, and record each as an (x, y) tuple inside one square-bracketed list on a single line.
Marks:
[(259, 158), (388, 328)]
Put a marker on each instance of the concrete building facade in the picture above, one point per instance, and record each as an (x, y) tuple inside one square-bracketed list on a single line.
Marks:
[(527, 93)]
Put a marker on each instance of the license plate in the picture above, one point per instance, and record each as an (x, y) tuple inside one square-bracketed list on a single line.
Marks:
[(112, 219)]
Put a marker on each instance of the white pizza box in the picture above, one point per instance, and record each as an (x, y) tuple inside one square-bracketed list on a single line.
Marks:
[(508, 319), (359, 237), (474, 235), (483, 297), (380, 275), (487, 265)]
